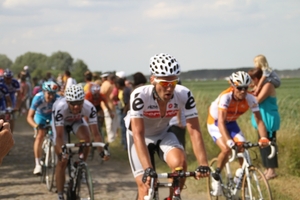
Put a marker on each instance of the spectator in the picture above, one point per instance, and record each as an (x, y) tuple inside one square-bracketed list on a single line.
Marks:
[(88, 76), (268, 108), (69, 80), (111, 124), (139, 79)]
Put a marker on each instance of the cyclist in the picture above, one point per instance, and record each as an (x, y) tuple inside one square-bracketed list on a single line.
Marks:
[(222, 125), (94, 96), (40, 111), (147, 122), (13, 87), (5, 101), (68, 114)]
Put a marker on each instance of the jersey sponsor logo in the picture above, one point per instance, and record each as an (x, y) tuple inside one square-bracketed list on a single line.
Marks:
[(152, 114), (190, 102), (175, 105), (191, 115), (58, 116), (93, 112), (152, 107), (73, 118), (171, 113), (137, 103), (170, 105)]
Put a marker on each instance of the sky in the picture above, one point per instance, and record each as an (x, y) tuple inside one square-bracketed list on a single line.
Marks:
[(122, 35)]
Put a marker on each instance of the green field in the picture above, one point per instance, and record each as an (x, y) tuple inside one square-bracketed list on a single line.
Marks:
[(287, 184)]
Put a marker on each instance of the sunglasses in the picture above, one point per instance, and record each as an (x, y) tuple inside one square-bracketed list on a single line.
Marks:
[(51, 93), (240, 88), (75, 103), (166, 83)]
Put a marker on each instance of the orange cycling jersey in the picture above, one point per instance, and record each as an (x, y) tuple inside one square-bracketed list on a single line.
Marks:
[(234, 108)]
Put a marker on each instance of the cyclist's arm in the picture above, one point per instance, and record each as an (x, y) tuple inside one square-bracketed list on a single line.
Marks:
[(260, 124), (193, 128), (59, 137), (97, 136), (138, 132), (222, 113), (30, 118), (8, 100)]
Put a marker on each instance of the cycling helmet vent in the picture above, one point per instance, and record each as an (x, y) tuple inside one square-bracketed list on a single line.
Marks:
[(164, 65), (240, 78), (74, 93), (50, 86)]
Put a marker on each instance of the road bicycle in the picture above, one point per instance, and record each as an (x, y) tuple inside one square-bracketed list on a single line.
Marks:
[(49, 159), (80, 184), (251, 183)]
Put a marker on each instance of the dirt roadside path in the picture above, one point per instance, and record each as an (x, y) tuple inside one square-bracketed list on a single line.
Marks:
[(112, 180)]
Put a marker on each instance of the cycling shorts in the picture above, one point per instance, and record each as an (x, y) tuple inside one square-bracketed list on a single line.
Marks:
[(233, 130), (166, 142), (74, 125)]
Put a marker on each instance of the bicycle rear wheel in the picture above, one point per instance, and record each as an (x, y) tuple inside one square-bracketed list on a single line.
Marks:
[(213, 165), (255, 186), (50, 167), (84, 189)]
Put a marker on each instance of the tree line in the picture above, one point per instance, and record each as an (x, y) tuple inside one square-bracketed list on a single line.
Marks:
[(39, 64)]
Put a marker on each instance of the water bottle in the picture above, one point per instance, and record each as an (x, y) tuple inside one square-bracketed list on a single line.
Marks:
[(238, 177)]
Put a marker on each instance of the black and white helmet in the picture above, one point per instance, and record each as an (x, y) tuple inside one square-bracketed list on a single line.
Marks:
[(164, 65), (240, 78), (74, 93)]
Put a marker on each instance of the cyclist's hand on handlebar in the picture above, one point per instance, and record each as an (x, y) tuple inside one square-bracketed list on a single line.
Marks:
[(63, 156), (202, 171), (104, 156), (263, 142), (148, 174), (230, 143)]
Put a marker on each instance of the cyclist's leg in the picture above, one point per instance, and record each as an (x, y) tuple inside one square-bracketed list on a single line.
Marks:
[(136, 167), (60, 171), (82, 132), (172, 152), (37, 149)]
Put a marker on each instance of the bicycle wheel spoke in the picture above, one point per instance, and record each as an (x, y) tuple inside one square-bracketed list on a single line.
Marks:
[(255, 186), (50, 168)]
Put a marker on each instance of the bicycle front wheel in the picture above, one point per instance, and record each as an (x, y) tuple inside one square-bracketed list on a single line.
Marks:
[(213, 165), (255, 185), (50, 166), (84, 189)]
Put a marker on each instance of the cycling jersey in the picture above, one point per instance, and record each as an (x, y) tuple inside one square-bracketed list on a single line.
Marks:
[(62, 115), (144, 105), (43, 109), (13, 87), (234, 109), (3, 94)]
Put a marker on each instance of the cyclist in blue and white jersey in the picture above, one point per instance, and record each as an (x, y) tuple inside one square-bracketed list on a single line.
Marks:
[(13, 87), (147, 122), (40, 111), (73, 113)]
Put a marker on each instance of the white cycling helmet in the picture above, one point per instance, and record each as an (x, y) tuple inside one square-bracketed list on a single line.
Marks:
[(240, 78), (74, 93), (164, 65), (95, 88)]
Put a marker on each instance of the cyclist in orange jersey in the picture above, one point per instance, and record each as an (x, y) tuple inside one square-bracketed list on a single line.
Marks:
[(222, 125)]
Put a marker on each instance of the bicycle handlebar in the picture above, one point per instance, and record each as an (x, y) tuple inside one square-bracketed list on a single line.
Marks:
[(179, 174), (86, 144), (248, 145)]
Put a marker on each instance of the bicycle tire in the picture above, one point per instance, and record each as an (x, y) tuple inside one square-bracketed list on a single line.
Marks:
[(213, 165), (50, 166), (259, 185), (84, 189), (71, 194)]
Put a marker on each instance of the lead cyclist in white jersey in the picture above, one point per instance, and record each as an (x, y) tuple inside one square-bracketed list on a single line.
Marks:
[(70, 113), (147, 121)]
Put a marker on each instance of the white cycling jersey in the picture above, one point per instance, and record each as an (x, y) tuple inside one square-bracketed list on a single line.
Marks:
[(144, 105), (62, 115)]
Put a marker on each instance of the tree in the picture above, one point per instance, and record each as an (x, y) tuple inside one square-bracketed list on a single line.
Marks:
[(79, 68), (60, 61), (5, 62)]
